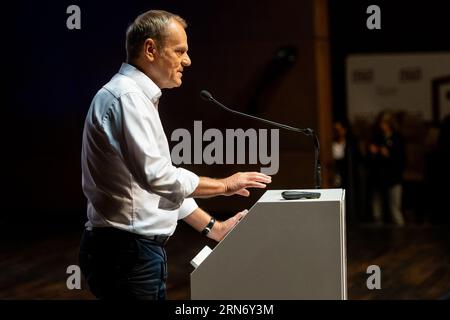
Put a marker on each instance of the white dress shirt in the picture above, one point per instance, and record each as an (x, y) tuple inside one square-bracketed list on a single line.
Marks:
[(127, 173)]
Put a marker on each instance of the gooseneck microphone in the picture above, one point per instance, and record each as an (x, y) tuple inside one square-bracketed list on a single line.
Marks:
[(306, 131)]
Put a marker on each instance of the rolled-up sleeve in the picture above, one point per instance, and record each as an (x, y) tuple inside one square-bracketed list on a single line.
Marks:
[(189, 206), (140, 145)]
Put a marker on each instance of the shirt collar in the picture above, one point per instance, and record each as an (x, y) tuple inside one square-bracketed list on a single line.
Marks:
[(150, 89)]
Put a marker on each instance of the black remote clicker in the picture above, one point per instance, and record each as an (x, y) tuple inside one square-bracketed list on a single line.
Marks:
[(293, 195)]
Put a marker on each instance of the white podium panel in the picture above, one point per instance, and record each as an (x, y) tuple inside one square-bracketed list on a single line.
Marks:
[(282, 249)]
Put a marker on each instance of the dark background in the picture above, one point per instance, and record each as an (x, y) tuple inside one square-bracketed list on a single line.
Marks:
[(52, 74)]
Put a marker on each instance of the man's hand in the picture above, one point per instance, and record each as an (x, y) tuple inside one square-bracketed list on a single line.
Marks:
[(221, 228), (239, 182), (235, 184)]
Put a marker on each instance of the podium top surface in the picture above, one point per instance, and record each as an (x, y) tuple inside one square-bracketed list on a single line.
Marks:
[(325, 195)]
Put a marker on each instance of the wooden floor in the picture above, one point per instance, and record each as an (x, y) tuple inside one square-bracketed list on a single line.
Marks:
[(414, 262)]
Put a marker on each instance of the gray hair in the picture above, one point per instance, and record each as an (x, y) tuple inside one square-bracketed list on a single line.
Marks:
[(151, 24)]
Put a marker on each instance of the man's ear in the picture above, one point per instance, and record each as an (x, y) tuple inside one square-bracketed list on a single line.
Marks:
[(150, 49)]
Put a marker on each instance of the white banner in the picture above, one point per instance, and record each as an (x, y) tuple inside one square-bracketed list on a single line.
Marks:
[(398, 82)]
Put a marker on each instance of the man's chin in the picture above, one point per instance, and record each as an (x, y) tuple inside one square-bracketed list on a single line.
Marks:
[(173, 85)]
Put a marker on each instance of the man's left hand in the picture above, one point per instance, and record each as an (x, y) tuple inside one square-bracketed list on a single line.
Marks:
[(222, 228)]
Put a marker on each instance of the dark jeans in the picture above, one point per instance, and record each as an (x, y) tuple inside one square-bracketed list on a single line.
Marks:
[(122, 265)]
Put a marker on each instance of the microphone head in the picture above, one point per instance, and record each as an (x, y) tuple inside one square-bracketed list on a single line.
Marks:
[(206, 95)]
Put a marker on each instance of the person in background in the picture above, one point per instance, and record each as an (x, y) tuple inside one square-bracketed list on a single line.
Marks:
[(346, 158), (386, 157)]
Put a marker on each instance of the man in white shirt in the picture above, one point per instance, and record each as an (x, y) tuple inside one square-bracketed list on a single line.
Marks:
[(135, 195)]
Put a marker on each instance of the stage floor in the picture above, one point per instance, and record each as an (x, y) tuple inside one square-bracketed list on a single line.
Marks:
[(414, 262)]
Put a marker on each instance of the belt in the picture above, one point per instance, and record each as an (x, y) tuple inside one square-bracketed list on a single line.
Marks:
[(158, 239)]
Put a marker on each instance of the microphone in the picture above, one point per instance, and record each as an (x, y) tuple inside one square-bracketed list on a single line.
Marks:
[(306, 131)]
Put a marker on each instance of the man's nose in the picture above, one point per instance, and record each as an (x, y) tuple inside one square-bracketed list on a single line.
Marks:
[(186, 61)]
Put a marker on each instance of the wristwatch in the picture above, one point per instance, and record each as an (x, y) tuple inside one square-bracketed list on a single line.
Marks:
[(209, 226)]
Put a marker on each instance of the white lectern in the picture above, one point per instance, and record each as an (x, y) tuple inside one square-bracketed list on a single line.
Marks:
[(282, 249)]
